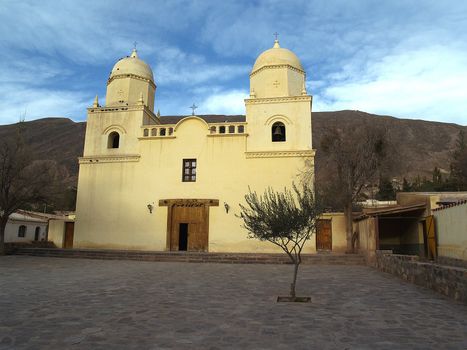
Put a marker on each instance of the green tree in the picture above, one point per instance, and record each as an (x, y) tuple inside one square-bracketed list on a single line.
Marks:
[(287, 219), (386, 190), (459, 163), (406, 186)]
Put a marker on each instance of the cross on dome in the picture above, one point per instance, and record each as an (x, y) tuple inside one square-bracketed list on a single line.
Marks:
[(134, 52), (276, 41)]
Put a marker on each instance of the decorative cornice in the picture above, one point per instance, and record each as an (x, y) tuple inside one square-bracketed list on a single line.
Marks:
[(112, 109), (277, 66), (118, 158), (251, 101), (134, 76), (281, 154)]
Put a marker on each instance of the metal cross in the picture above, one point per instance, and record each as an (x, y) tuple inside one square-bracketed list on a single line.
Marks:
[(276, 34), (134, 44), (193, 108)]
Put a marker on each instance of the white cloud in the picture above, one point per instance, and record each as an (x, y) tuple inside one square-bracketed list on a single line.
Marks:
[(178, 67), (426, 83), (225, 102), (40, 103)]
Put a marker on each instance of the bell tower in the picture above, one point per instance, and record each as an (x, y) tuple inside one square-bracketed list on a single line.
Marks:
[(278, 111), (113, 130), (130, 78)]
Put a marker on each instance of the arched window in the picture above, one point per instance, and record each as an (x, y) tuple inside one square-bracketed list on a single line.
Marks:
[(22, 231), (278, 132), (114, 140)]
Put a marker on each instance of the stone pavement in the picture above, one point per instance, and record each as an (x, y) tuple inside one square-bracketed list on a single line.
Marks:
[(53, 303)]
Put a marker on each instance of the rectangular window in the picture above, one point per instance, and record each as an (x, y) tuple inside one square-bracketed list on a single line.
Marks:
[(189, 170)]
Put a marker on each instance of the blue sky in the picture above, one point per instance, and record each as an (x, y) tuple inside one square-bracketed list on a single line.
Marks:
[(402, 58)]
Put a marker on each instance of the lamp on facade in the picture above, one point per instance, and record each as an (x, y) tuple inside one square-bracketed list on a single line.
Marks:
[(150, 208), (227, 207)]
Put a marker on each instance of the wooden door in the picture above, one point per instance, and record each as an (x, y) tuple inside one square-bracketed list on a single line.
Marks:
[(69, 233), (324, 235), (429, 230), (196, 219)]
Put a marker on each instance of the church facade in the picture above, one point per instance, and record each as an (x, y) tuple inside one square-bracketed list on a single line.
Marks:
[(148, 182)]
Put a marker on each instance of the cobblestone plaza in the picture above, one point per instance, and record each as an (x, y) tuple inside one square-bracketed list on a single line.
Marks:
[(53, 303)]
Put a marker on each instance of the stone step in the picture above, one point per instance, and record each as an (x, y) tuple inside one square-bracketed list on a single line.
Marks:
[(197, 257)]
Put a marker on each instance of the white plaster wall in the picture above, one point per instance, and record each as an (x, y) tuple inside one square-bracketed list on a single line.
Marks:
[(451, 230), (12, 227)]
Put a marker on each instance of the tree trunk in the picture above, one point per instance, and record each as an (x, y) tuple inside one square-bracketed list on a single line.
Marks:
[(349, 227), (3, 222), (294, 282)]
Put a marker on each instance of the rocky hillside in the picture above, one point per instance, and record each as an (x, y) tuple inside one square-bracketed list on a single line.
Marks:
[(422, 145)]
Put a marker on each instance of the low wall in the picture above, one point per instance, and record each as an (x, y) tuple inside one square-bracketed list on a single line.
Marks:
[(448, 280)]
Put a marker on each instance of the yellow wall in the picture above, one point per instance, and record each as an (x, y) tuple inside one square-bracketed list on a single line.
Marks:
[(56, 232), (339, 241), (128, 90), (113, 193)]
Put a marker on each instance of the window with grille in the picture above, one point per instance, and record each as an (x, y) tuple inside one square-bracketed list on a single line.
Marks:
[(189, 170)]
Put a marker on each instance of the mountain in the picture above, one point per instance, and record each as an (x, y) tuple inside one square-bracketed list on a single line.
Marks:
[(421, 145), (58, 139)]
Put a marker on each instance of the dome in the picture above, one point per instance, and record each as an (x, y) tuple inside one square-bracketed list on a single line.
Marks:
[(132, 65), (277, 56)]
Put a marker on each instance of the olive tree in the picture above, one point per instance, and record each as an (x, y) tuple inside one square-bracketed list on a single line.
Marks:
[(286, 219)]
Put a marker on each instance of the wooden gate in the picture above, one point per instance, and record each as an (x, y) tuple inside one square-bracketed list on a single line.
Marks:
[(324, 235), (69, 234), (191, 213), (429, 230)]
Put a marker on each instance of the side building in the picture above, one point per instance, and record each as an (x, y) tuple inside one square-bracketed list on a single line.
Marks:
[(148, 182)]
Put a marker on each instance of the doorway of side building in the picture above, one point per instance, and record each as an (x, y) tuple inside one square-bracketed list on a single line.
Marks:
[(37, 233), (69, 235), (324, 235)]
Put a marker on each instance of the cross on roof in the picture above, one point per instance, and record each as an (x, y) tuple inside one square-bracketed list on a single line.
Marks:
[(134, 44), (193, 108), (276, 34)]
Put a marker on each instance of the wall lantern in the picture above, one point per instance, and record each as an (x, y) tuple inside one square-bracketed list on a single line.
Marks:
[(227, 207), (150, 208)]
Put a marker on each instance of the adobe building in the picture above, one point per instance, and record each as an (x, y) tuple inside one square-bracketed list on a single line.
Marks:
[(427, 224), (148, 182)]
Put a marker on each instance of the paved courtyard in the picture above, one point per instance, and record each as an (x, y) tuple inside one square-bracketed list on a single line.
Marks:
[(53, 303)]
